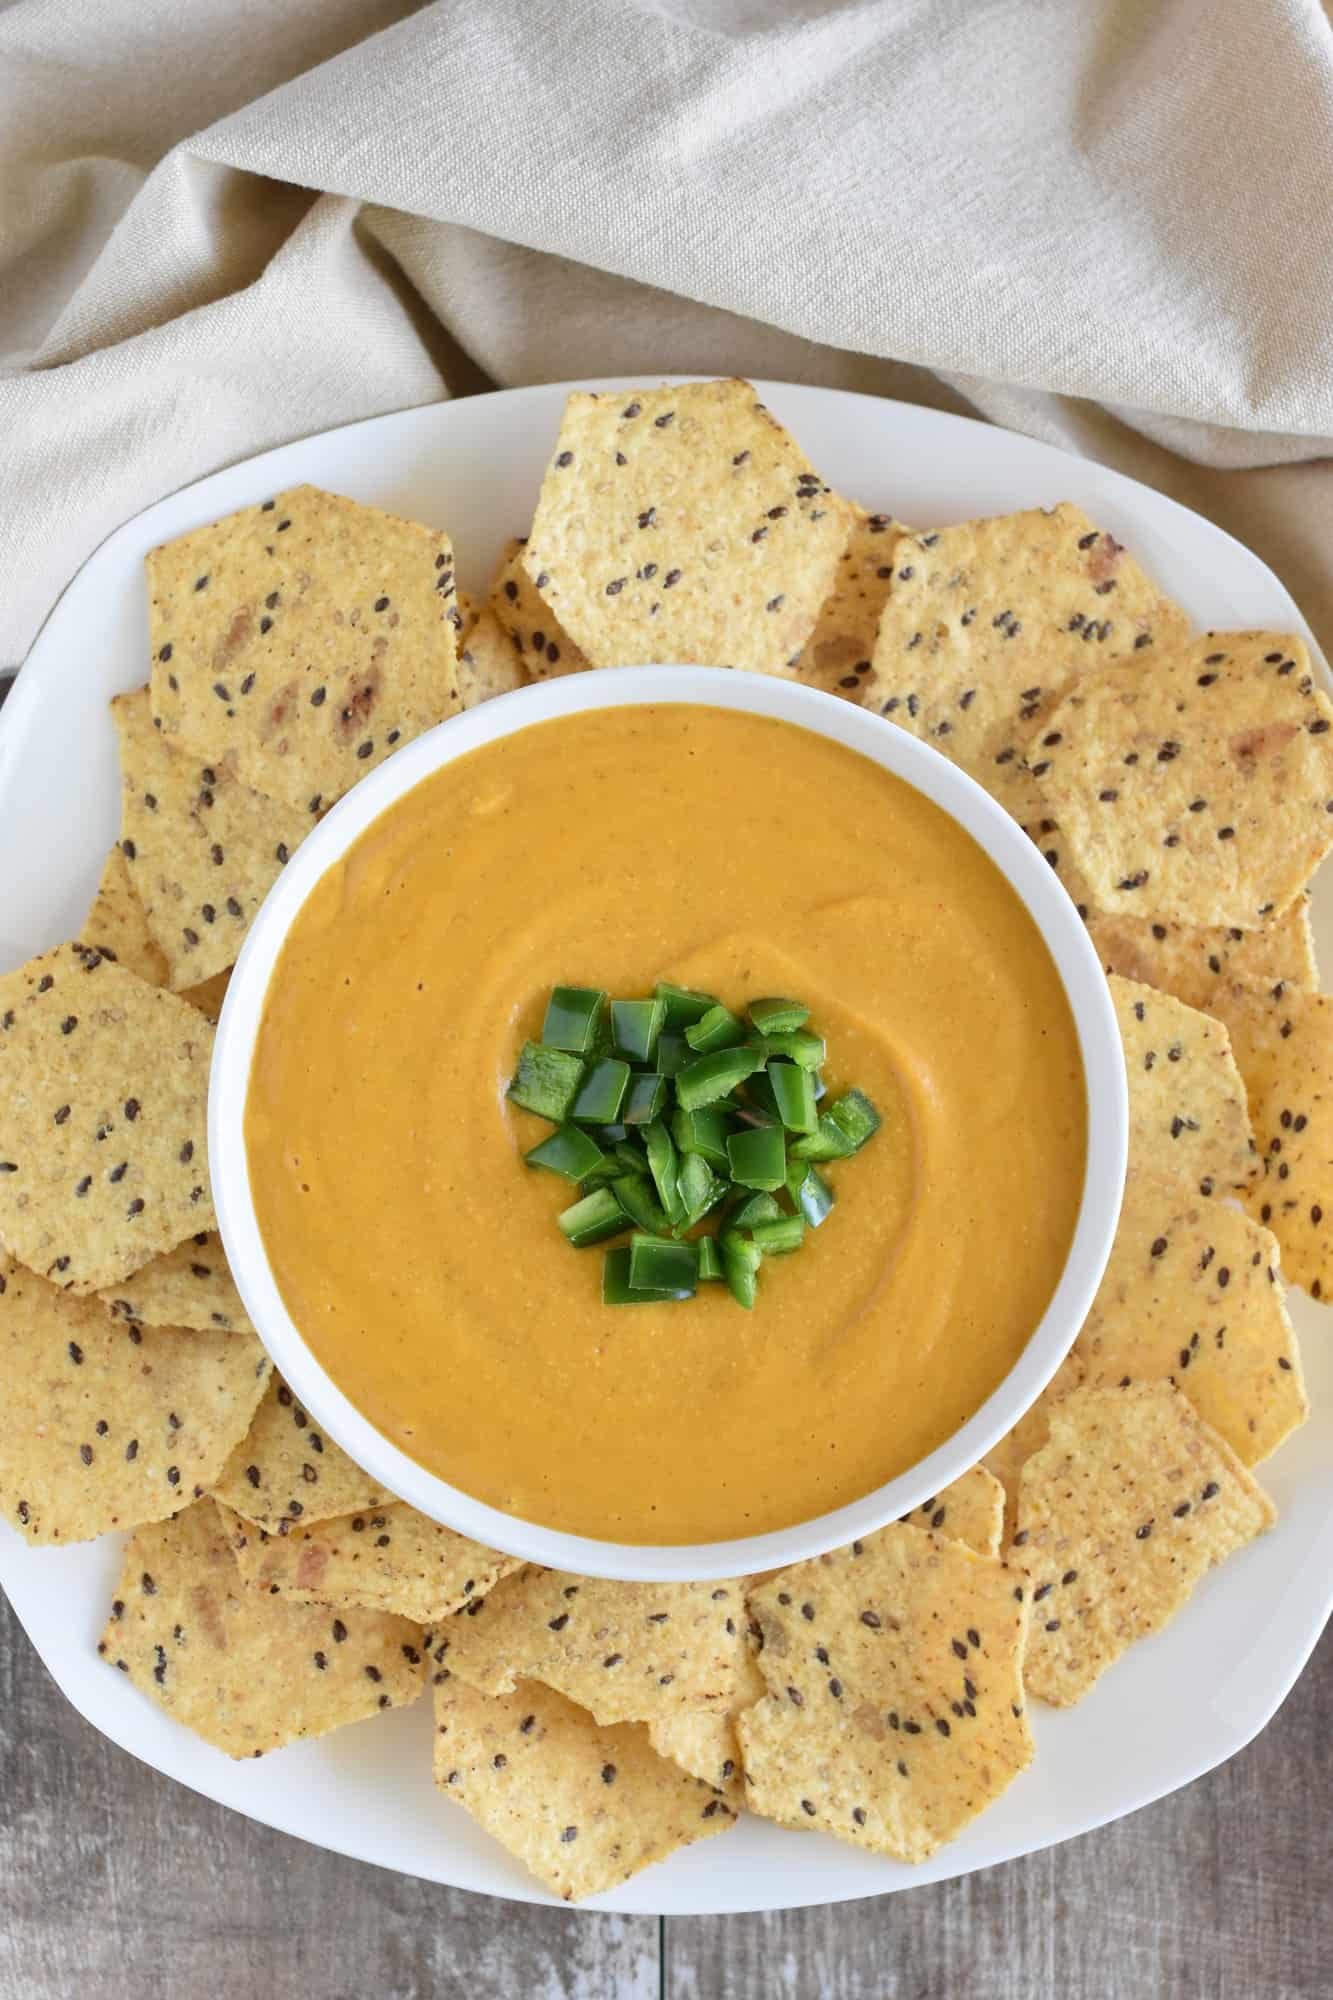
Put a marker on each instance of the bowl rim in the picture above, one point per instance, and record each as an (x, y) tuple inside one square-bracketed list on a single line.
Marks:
[(929, 773)]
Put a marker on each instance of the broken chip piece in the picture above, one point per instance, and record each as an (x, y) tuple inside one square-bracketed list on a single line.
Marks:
[(286, 1470), (1191, 1295), (188, 1286), (202, 850), (104, 1425), (103, 1094), (1283, 1038), (1187, 1113), (388, 1558), (1120, 1513), (584, 1805), (247, 1671)]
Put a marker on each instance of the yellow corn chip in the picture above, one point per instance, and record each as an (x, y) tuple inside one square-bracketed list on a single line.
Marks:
[(970, 1510), (894, 1712), (1283, 1039), (684, 524), (103, 1425), (1007, 1458), (705, 1745), (625, 1651), (246, 1671), (208, 995), (117, 925), (1187, 1115), (103, 1090), (285, 1470), (390, 1558), (544, 647), (188, 1286), (298, 643), (582, 1805), (1191, 1294), (488, 659), (987, 623), (203, 851), (1190, 960), (838, 653), (1122, 1511), (1196, 785)]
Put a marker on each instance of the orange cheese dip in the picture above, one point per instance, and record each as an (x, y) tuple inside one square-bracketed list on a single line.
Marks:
[(420, 1257)]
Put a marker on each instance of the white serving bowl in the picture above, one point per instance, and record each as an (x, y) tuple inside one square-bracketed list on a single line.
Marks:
[(919, 766)]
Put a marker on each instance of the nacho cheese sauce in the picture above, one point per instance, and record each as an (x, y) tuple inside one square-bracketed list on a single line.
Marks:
[(420, 1257)]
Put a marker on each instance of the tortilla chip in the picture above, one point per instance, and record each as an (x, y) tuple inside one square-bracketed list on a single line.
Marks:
[(1119, 1515), (1018, 792), (838, 653), (103, 1093), (544, 647), (1196, 785), (189, 1286), (684, 524), (285, 1470), (895, 1706), (388, 1559), (705, 1745), (989, 622), (1187, 1115), (971, 1510), (1192, 960), (209, 995), (102, 1425), (300, 642), (117, 925), (1283, 1040), (1007, 1458), (203, 851), (246, 1671), (1191, 1294), (625, 1651), (488, 660), (583, 1806)]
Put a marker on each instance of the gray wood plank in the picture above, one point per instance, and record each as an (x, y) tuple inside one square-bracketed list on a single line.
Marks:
[(117, 1884), (1221, 1892)]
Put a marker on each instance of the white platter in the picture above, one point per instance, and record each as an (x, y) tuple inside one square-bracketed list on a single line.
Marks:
[(1179, 1703)]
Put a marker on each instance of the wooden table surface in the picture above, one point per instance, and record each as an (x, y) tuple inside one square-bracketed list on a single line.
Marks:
[(116, 1884)]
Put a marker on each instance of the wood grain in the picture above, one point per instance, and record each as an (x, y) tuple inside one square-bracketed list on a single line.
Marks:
[(116, 1884)]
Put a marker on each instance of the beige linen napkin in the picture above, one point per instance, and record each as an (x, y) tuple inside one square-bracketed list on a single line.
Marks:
[(226, 223)]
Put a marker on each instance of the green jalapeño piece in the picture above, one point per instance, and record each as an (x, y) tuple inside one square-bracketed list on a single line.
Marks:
[(573, 1016)]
